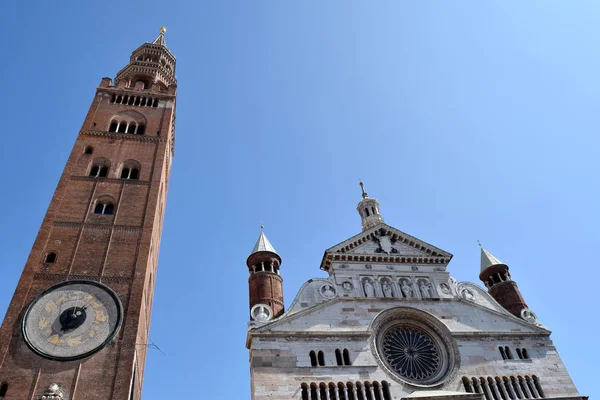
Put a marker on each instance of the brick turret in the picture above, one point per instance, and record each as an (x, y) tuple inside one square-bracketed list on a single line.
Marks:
[(495, 276), (265, 283)]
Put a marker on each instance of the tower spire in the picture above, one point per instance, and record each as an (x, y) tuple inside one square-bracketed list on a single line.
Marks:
[(368, 209), (151, 66), (160, 39), (362, 187)]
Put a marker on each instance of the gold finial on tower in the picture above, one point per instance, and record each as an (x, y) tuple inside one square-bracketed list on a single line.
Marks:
[(163, 29)]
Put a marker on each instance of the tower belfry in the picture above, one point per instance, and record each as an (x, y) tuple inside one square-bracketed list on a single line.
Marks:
[(368, 208), (78, 323)]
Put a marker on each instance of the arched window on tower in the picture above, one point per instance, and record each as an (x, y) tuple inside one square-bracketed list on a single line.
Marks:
[(104, 207), (525, 354), (508, 352), (130, 170), (99, 168), (50, 258), (3, 389), (141, 130), (113, 126), (122, 127), (131, 127)]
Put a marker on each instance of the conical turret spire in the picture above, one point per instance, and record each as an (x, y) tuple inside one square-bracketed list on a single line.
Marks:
[(160, 39), (495, 276), (263, 244), (487, 259)]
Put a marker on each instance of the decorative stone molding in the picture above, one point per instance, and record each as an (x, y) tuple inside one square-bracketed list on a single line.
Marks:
[(133, 182), (78, 225), (124, 136), (65, 277)]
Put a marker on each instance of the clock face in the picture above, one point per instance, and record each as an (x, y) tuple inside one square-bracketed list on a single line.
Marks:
[(72, 320)]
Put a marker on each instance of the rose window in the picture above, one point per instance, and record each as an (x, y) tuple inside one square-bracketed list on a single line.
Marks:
[(411, 353)]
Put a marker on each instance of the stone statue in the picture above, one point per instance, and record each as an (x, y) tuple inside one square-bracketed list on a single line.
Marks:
[(261, 315), (387, 289), (369, 288), (424, 290), (328, 291), (406, 289)]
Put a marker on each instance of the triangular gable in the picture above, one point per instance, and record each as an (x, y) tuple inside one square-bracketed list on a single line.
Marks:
[(384, 243)]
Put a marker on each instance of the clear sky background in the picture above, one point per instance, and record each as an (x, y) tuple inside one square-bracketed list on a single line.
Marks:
[(466, 119)]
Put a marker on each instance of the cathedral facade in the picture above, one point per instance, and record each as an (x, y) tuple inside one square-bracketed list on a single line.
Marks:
[(391, 323)]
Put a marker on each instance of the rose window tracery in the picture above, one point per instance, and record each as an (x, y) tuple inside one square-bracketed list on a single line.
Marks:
[(411, 353)]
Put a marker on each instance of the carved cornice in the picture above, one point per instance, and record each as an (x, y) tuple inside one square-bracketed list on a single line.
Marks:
[(65, 277), (133, 182), (149, 93), (385, 259), (124, 136), (79, 225)]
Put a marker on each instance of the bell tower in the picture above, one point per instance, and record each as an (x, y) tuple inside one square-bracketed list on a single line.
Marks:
[(77, 325), (265, 282)]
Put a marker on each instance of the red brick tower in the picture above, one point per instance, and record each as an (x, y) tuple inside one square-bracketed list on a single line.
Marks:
[(266, 285), (494, 274), (77, 326)]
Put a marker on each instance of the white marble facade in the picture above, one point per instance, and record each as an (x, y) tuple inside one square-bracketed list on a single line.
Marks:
[(371, 275)]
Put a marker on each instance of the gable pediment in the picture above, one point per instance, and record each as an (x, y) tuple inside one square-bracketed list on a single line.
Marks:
[(384, 243), (344, 316)]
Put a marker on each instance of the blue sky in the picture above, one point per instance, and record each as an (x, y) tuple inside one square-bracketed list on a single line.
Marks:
[(467, 120)]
